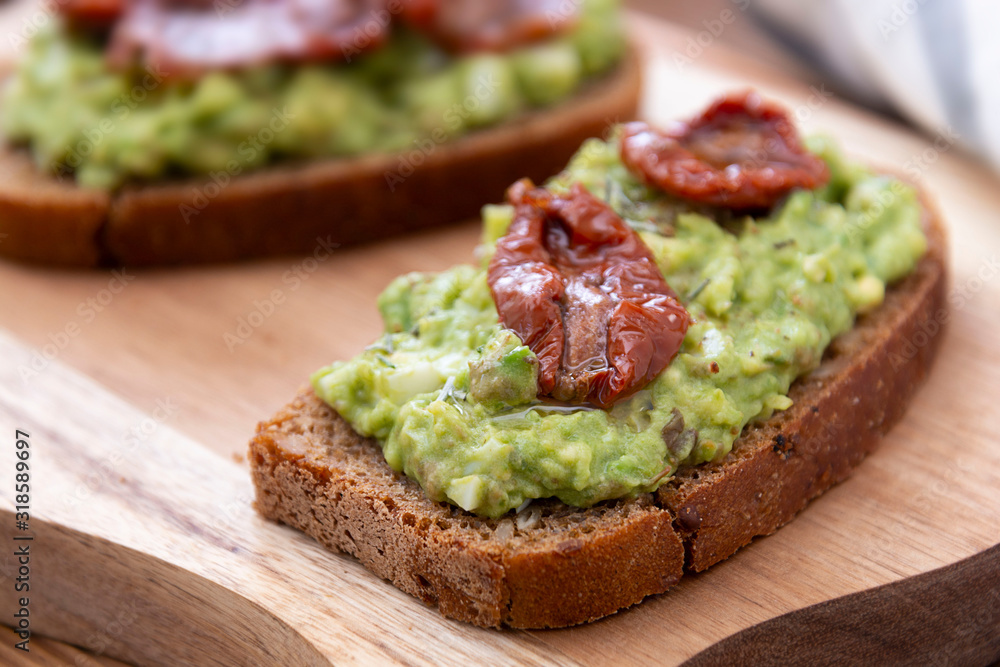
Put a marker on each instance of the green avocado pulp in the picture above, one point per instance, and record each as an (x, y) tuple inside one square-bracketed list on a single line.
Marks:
[(105, 128), (451, 394)]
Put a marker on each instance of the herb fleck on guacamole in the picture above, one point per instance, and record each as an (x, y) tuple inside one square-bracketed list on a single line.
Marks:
[(451, 395)]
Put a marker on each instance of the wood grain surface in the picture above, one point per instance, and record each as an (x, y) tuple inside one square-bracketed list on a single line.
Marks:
[(141, 390)]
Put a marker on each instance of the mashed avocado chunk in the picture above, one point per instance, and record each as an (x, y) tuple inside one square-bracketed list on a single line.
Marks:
[(105, 127), (451, 394)]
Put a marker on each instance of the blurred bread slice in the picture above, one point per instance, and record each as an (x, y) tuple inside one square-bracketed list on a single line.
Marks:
[(289, 208)]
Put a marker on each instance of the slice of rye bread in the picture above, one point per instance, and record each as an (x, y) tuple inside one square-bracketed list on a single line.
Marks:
[(289, 209), (553, 565)]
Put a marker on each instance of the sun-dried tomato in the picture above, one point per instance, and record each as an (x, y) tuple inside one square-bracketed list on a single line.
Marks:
[(741, 153), (187, 37), (489, 25), (96, 13), (581, 289)]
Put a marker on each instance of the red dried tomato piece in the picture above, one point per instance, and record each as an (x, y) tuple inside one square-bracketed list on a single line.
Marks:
[(466, 26), (187, 37), (97, 13), (741, 153), (582, 290)]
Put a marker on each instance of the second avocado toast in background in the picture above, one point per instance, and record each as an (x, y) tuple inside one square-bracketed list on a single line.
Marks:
[(138, 132)]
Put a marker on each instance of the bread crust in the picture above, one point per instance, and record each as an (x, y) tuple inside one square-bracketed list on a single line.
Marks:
[(839, 415), (553, 567), (294, 209), (313, 472), (46, 219)]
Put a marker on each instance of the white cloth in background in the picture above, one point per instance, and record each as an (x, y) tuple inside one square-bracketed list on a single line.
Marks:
[(936, 62)]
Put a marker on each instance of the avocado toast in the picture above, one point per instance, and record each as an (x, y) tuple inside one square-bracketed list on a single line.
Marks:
[(120, 150), (721, 447)]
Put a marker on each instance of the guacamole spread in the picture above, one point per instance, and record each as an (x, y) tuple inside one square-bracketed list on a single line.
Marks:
[(103, 127), (451, 395)]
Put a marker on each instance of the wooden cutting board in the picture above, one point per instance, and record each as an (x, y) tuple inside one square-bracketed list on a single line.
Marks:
[(141, 389)]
